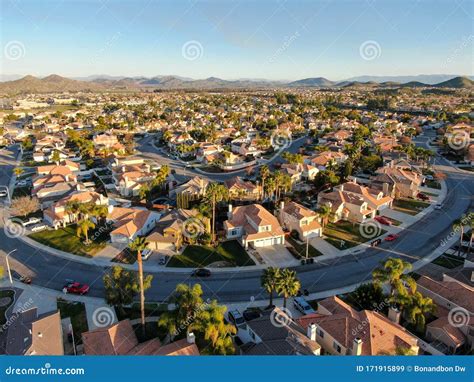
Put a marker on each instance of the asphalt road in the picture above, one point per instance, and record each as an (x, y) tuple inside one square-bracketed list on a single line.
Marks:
[(414, 243)]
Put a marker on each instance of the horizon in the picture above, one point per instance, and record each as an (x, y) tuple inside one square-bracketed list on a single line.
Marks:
[(271, 40)]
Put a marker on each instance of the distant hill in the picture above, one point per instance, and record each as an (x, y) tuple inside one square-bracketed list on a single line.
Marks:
[(313, 82), (457, 82), (49, 84), (429, 79)]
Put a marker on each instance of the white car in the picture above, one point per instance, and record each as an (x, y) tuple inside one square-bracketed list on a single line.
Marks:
[(146, 253), (3, 194), (22, 183), (39, 227), (31, 221), (438, 206)]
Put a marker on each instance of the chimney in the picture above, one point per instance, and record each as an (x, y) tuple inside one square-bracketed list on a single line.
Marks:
[(357, 346), (282, 205), (190, 338), (394, 314), (385, 189), (229, 212), (311, 331)]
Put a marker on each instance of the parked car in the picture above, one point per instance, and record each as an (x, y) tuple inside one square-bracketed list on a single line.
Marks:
[(22, 183), (382, 220), (3, 194), (201, 272), (31, 221), (162, 260), (422, 196), (236, 317), (25, 279), (429, 177), (302, 305), (38, 227), (438, 206), (75, 287), (146, 253), (251, 314), (392, 237)]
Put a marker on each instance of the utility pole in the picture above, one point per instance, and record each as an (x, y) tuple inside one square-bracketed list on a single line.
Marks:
[(8, 265)]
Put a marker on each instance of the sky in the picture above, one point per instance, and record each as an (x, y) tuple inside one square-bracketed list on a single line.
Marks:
[(277, 40)]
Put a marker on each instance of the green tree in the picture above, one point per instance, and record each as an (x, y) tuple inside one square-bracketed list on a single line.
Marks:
[(18, 171), (216, 193), (269, 280), (137, 246), (324, 213), (417, 308), (264, 174), (458, 225), (288, 284), (392, 272), (83, 228)]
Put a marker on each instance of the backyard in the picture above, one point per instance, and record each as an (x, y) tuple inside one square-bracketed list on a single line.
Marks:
[(346, 231), (229, 253), (77, 312), (409, 206), (66, 239)]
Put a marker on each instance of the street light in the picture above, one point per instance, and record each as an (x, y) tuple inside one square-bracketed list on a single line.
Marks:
[(8, 266)]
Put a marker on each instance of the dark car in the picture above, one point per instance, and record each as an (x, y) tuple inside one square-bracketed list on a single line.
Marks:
[(235, 317), (201, 272), (251, 314), (75, 287)]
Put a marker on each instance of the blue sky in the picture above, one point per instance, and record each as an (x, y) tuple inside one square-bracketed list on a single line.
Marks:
[(237, 39)]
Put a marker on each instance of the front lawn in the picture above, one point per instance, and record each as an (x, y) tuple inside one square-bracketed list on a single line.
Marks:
[(448, 261), (195, 256), (65, 239), (433, 184), (346, 231), (300, 249), (77, 312), (409, 206)]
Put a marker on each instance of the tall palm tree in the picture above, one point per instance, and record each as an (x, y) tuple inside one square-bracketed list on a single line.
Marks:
[(324, 212), (72, 208), (458, 224), (269, 280), (417, 308), (264, 174), (393, 273), (216, 193), (138, 245), (100, 211), (288, 284), (18, 171), (83, 228)]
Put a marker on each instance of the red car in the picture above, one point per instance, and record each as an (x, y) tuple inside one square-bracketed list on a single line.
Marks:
[(391, 237), (382, 220), (422, 196), (75, 288)]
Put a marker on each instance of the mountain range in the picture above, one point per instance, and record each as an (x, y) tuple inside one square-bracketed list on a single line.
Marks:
[(56, 83)]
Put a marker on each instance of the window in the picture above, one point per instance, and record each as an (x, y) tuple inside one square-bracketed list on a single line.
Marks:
[(320, 333), (336, 346)]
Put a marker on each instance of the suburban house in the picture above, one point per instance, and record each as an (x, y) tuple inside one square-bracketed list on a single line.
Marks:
[(241, 189), (298, 171), (120, 339), (130, 222), (206, 149), (327, 159), (130, 176), (453, 298), (375, 198), (346, 206), (261, 336), (295, 217), (254, 226), (397, 182), (57, 215), (342, 330), (194, 188), (174, 228), (31, 333)]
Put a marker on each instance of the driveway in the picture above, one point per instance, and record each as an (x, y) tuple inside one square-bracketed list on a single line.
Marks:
[(277, 256)]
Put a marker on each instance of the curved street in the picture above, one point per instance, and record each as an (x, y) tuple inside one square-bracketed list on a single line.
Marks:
[(415, 243)]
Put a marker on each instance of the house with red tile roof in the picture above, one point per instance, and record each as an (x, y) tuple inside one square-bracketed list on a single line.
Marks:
[(342, 330), (242, 189), (130, 223), (295, 217), (254, 226), (375, 198)]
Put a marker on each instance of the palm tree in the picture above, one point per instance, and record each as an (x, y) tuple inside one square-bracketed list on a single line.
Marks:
[(458, 225), (393, 273), (100, 211), (72, 208), (264, 174), (269, 281), (216, 193), (324, 212), (417, 308), (18, 171), (138, 245), (83, 228), (288, 284)]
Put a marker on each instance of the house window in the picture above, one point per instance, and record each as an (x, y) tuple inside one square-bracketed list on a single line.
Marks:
[(336, 346), (233, 232), (320, 333)]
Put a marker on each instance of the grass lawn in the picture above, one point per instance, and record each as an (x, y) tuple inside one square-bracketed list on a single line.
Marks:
[(21, 191), (77, 312), (65, 239), (409, 206), (347, 231), (433, 184), (8, 293), (301, 249), (448, 261), (195, 256)]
